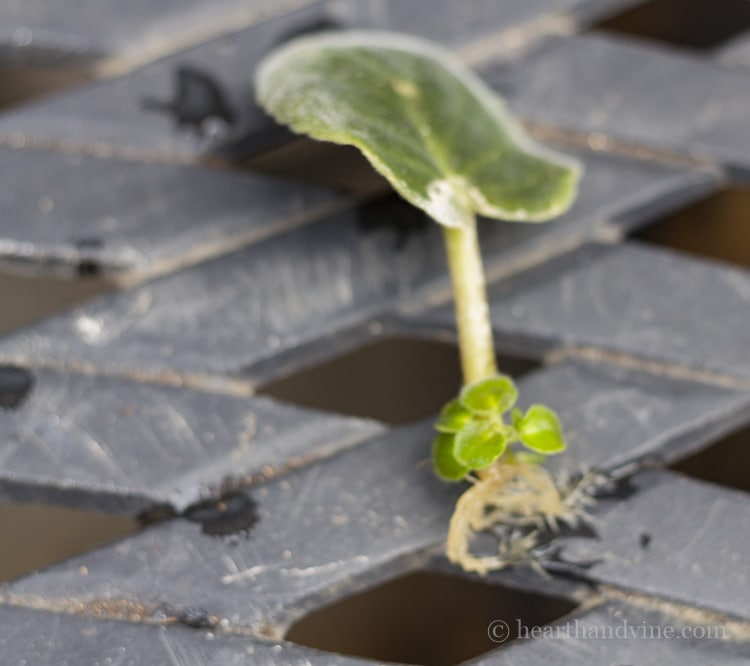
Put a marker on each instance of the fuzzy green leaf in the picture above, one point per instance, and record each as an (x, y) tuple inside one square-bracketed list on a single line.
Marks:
[(444, 461), (441, 137), (478, 445), (490, 396), (453, 418), (540, 430)]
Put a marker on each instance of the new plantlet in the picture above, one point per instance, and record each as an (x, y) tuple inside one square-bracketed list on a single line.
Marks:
[(446, 143)]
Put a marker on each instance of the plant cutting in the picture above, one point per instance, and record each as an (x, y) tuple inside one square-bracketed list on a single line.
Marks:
[(447, 144)]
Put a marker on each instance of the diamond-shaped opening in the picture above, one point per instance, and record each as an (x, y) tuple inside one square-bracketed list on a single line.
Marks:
[(715, 227), (23, 83), (726, 462), (426, 618), (692, 24), (26, 299), (398, 380), (34, 536)]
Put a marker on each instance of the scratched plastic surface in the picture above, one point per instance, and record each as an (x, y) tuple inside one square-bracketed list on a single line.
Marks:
[(143, 402)]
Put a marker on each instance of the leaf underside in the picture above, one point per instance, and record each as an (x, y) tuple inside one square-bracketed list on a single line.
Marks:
[(427, 123)]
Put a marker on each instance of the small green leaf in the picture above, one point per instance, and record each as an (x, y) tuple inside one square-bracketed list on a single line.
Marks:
[(453, 418), (540, 430), (490, 396), (445, 463), (432, 127), (478, 445)]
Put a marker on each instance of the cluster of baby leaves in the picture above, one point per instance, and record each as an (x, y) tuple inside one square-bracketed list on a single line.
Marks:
[(473, 432)]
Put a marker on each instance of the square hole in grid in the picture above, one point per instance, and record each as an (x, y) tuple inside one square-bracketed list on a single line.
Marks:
[(726, 462), (27, 297), (35, 536), (692, 24), (397, 380), (716, 227), (426, 618), (23, 83)]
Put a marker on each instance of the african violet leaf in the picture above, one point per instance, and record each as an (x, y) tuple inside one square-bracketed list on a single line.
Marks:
[(540, 430), (426, 122), (478, 445), (444, 461), (494, 395), (453, 417)]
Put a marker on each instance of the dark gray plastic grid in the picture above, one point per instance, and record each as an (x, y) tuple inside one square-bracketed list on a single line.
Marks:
[(142, 401)]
